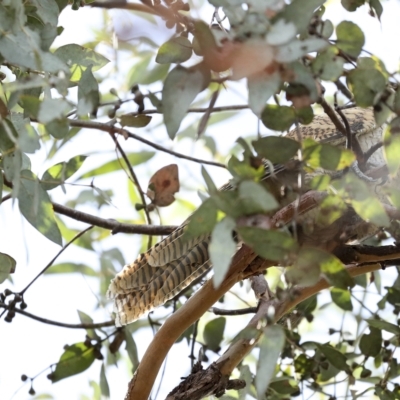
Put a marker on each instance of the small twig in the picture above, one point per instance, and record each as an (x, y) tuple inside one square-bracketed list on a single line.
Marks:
[(135, 181), (124, 132), (113, 225), (191, 356), (342, 88), (77, 236), (62, 324), (237, 107), (240, 311)]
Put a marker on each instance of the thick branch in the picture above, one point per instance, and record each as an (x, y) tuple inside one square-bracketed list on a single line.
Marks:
[(111, 224), (142, 382), (220, 371), (62, 324), (125, 133)]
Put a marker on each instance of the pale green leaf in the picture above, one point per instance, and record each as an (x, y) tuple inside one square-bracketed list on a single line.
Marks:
[(271, 346), (7, 266), (75, 359), (222, 248), (35, 206), (117, 165), (79, 58), (181, 87), (59, 173)]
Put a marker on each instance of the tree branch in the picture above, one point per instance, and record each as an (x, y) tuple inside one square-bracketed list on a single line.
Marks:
[(142, 382), (125, 133), (111, 224), (62, 324)]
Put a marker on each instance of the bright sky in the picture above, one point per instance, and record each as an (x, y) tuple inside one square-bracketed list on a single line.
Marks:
[(27, 346)]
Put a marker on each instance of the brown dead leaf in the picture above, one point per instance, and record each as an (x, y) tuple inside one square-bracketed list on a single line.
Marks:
[(163, 185)]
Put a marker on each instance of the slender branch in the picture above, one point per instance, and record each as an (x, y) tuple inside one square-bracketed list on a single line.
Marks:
[(240, 311), (114, 225), (123, 5), (234, 107), (135, 181), (77, 236), (62, 324), (125, 133)]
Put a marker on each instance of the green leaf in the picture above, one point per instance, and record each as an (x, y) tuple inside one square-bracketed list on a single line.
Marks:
[(254, 198), (296, 49), (261, 87), (271, 346), (371, 344), (271, 245), (87, 320), (59, 128), (363, 200), (342, 298), (377, 6), (392, 150), (222, 248), (23, 48), (75, 359), (69, 268), (319, 155), (366, 84), (245, 375), (214, 333), (47, 11), (306, 270), (35, 206), (330, 209), (209, 182), (328, 65), (350, 38), (276, 149), (176, 50), (52, 109), (202, 220), (115, 165), (334, 356), (59, 173), (181, 87), (352, 5), (7, 266), (79, 58), (105, 389), (333, 269), (28, 139), (135, 121), (299, 12), (88, 93), (131, 349), (383, 325), (278, 118)]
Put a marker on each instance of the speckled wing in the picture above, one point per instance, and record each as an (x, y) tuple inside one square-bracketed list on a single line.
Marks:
[(171, 265)]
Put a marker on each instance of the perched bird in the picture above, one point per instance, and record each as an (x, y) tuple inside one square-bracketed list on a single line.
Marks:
[(171, 265)]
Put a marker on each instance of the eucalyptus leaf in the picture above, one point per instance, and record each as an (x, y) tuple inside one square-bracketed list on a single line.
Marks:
[(181, 87), (7, 266), (214, 333), (271, 345), (222, 248), (35, 206), (75, 359), (59, 173)]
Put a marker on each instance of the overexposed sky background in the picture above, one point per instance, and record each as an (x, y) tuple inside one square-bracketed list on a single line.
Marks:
[(27, 346)]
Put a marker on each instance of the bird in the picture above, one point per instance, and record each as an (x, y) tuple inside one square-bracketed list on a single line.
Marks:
[(171, 265)]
